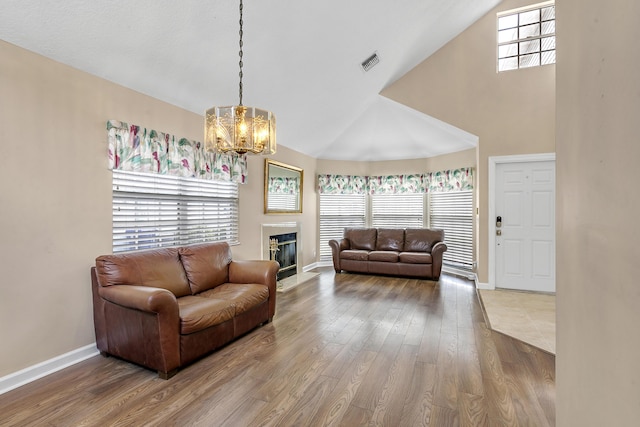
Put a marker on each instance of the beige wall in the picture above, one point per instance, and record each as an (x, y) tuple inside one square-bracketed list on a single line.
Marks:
[(598, 296), (252, 207), (56, 198), (466, 158), (511, 113), (56, 190)]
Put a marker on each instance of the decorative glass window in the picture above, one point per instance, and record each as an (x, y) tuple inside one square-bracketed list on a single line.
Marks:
[(527, 37)]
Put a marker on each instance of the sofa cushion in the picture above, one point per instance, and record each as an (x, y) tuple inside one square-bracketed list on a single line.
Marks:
[(384, 256), (355, 255), (244, 297), (421, 239), (415, 257), (206, 265), (361, 238), (198, 313), (390, 239), (160, 268)]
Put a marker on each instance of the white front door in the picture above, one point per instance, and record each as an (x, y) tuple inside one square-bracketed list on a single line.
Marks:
[(525, 226)]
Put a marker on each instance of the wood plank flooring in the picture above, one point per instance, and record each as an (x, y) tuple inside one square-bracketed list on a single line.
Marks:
[(343, 350)]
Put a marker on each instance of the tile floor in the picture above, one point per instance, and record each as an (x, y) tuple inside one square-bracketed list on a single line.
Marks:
[(527, 316)]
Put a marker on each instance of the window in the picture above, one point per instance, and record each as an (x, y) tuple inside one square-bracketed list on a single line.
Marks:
[(283, 202), (397, 210), (453, 212), (527, 38), (152, 211), (338, 211), (450, 211)]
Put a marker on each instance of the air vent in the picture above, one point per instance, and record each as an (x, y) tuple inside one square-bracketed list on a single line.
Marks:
[(370, 62)]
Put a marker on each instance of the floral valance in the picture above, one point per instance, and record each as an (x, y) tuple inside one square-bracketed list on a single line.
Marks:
[(283, 185), (342, 184), (442, 181), (451, 180), (133, 148), (398, 184)]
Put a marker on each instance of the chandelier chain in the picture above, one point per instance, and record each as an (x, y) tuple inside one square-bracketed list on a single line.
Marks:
[(240, 63)]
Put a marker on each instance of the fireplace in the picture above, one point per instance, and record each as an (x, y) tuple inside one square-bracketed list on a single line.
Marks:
[(289, 244), (283, 248)]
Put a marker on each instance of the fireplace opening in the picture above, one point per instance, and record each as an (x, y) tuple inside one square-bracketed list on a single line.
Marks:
[(285, 253)]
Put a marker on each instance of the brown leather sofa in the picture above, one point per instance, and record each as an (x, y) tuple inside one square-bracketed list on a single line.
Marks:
[(413, 252), (165, 308)]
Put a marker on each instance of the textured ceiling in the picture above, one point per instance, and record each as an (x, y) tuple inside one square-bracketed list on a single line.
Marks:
[(301, 61)]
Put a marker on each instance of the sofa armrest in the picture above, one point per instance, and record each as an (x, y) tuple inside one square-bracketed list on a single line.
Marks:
[(436, 255), (257, 271), (140, 324), (338, 246), (143, 298)]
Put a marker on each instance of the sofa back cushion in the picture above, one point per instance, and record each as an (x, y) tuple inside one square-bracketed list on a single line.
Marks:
[(361, 238), (206, 265), (422, 239), (159, 268), (390, 239)]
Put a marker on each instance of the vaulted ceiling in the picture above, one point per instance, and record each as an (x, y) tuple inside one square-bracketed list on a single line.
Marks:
[(302, 60)]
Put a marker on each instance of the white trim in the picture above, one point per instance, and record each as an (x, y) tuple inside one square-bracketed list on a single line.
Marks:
[(467, 274), (42, 369), (324, 263), (526, 8), (493, 163), (484, 286), (310, 267)]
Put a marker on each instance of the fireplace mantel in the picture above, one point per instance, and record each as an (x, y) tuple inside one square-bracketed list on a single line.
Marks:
[(282, 228)]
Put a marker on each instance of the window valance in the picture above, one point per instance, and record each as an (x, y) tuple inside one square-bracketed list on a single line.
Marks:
[(442, 181), (283, 185), (398, 184), (342, 184), (137, 149)]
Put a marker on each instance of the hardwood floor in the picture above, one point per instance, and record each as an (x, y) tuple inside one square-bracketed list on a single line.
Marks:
[(347, 349)]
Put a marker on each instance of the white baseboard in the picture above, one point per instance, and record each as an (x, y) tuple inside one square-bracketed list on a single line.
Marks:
[(485, 286), (32, 373), (323, 264), (310, 267), (460, 272)]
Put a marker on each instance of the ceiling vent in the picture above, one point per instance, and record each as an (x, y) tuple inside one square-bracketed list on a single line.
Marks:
[(370, 62)]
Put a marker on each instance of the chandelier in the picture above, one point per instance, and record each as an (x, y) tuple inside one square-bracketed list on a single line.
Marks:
[(239, 128)]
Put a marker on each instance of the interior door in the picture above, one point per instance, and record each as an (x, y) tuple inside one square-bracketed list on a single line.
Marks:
[(525, 226)]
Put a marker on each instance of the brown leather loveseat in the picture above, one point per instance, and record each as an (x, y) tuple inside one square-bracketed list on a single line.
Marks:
[(165, 308), (413, 252)]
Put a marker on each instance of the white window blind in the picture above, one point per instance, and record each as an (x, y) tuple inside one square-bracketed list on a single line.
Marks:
[(397, 210), (284, 202), (152, 211), (453, 212), (338, 211)]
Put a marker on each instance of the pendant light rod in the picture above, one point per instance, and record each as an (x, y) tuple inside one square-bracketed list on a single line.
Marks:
[(240, 63), (238, 128)]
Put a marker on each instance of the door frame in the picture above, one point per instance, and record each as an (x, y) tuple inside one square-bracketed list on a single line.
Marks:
[(493, 164)]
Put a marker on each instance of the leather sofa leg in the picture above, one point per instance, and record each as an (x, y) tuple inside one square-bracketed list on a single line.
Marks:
[(167, 375), (104, 354)]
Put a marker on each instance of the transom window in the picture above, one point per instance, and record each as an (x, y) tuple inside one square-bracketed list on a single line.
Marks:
[(527, 37)]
